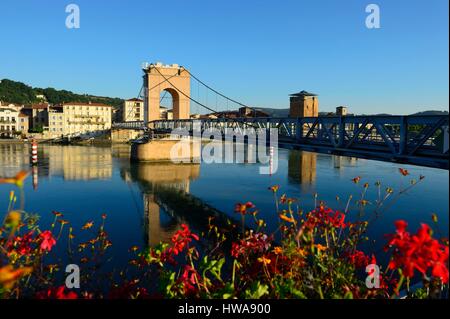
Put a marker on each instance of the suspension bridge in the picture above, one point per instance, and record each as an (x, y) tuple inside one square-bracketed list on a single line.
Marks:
[(418, 140)]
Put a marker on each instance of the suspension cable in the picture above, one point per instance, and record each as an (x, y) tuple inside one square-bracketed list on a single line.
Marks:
[(184, 94), (215, 91)]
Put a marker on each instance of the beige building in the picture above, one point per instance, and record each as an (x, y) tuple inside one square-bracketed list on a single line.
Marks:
[(133, 110), (82, 118), (9, 119), (56, 123), (341, 111), (14, 106), (165, 113), (23, 125), (73, 119)]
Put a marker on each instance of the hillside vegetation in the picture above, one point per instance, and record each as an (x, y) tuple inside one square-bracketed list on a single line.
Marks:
[(20, 93)]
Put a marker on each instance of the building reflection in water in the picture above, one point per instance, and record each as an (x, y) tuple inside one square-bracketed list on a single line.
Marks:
[(13, 158), (302, 169), (339, 162), (165, 189), (68, 162), (79, 162)]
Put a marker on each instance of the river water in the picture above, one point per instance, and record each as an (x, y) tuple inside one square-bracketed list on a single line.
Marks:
[(146, 203)]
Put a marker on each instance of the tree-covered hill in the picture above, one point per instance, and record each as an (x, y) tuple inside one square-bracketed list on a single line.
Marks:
[(20, 93)]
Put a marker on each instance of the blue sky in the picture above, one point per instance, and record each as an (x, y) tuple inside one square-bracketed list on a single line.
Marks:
[(257, 52)]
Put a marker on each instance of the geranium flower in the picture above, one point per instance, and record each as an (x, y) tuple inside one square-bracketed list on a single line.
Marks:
[(417, 252), (88, 225), (242, 208), (357, 258), (22, 244), (274, 188), (181, 239), (48, 241), (324, 216), (189, 279), (56, 293)]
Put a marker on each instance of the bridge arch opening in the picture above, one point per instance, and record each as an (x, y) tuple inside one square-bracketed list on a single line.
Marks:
[(169, 103)]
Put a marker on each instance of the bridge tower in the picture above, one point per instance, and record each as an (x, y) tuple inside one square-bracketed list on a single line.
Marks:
[(171, 78), (304, 104)]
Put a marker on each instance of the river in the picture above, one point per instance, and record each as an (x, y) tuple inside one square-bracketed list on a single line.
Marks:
[(146, 203)]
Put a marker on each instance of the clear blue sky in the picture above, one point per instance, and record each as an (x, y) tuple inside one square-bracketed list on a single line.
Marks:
[(255, 51)]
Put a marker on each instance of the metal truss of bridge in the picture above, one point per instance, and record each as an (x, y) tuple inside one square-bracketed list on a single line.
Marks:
[(416, 140)]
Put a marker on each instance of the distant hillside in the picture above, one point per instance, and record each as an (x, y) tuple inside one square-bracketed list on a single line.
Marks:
[(285, 112), (20, 93), (431, 113), (274, 112)]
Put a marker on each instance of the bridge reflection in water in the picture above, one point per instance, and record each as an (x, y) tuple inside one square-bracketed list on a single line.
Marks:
[(165, 198), (167, 201), (157, 181)]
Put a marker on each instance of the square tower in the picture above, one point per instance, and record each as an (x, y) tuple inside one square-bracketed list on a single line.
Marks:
[(304, 104)]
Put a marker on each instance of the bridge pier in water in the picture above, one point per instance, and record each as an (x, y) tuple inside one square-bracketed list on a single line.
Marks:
[(182, 150)]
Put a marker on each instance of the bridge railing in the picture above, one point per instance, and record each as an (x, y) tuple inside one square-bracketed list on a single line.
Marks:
[(425, 138), (416, 139)]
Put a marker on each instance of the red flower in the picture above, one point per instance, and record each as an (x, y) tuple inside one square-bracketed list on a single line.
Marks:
[(274, 188), (56, 293), (325, 217), (189, 279), (242, 208), (254, 243), (181, 239), (22, 245), (403, 171), (418, 252), (48, 241), (357, 259)]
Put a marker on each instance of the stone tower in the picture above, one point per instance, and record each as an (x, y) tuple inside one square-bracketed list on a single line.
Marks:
[(304, 104), (171, 78)]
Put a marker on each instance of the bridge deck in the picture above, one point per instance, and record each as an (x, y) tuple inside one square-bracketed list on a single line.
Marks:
[(417, 140)]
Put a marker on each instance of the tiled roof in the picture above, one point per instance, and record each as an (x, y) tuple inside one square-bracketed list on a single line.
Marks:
[(39, 106), (303, 93), (86, 104)]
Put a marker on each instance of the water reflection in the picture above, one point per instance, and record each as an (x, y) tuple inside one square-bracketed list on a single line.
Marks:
[(157, 181), (340, 162), (146, 203), (71, 163), (302, 169)]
